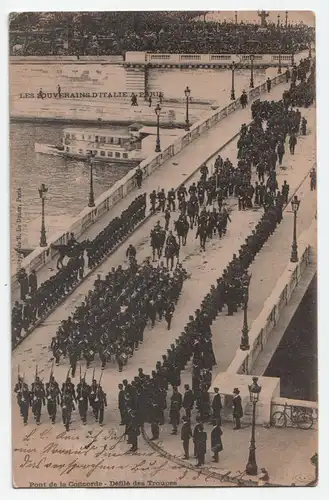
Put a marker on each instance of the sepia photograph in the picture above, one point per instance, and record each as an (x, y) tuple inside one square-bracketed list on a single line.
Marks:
[(163, 248)]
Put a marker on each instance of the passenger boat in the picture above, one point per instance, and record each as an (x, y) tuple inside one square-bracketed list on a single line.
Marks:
[(103, 145)]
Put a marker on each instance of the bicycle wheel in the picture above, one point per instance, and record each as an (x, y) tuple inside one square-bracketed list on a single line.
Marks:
[(278, 419), (304, 420)]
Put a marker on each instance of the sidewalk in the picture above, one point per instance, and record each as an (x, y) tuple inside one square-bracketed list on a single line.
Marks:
[(284, 453), (173, 172)]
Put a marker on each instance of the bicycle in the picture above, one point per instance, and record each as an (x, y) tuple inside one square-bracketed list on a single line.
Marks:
[(299, 417)]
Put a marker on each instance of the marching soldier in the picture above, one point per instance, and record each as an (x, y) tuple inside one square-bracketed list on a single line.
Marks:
[(52, 396), (68, 387), (169, 311), (99, 404), (153, 199), (73, 357), (37, 399), (161, 200), (23, 398), (67, 407), (171, 199), (167, 218), (83, 392)]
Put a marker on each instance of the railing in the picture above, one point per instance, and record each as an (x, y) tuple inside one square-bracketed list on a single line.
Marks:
[(262, 327), (41, 256), (270, 59), (293, 407)]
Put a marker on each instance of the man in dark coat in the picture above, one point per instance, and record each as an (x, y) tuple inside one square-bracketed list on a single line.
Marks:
[(121, 404), (175, 407), (201, 446), (33, 282), (216, 405), (216, 440), (197, 429), (237, 409), (188, 401), (186, 434)]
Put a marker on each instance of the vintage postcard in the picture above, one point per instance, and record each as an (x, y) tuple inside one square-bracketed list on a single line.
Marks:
[(163, 249)]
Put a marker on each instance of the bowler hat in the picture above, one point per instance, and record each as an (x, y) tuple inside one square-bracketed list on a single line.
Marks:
[(236, 391)]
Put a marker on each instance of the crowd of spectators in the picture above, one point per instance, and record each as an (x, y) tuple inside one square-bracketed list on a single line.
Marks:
[(115, 33)]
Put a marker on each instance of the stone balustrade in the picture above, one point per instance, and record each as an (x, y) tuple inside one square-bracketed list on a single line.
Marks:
[(262, 327)]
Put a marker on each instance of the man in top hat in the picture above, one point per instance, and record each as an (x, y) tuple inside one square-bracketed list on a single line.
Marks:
[(237, 409), (216, 440)]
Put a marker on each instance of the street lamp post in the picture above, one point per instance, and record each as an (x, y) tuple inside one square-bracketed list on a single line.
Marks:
[(294, 250), (91, 202), (157, 143), (252, 57), (278, 20), (280, 68), (42, 193), (236, 17), (254, 391), (187, 93), (232, 89), (244, 345), (309, 51), (286, 19), (292, 58)]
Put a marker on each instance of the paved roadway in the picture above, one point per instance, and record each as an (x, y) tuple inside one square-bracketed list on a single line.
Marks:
[(173, 171), (204, 269)]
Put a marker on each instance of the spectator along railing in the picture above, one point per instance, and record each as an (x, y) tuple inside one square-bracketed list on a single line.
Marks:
[(262, 327), (41, 256)]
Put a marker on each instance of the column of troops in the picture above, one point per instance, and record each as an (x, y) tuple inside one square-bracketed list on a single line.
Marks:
[(36, 301), (67, 398)]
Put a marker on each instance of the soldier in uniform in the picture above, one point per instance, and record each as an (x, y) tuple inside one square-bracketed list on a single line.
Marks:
[(171, 197), (99, 404), (67, 407), (132, 430), (161, 200), (285, 192), (57, 349), (186, 434), (169, 311), (37, 399), (153, 199), (167, 218), (23, 398), (52, 396), (83, 392)]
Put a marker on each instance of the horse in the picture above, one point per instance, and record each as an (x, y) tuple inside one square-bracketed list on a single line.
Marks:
[(182, 228), (193, 211), (157, 242), (171, 251), (68, 251), (202, 232)]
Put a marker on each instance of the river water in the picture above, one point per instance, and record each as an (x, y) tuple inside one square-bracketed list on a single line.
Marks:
[(67, 180)]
